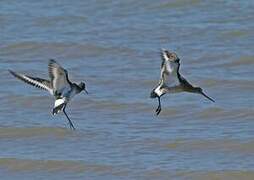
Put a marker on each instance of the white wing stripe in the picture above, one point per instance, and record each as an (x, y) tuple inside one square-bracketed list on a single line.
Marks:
[(41, 85)]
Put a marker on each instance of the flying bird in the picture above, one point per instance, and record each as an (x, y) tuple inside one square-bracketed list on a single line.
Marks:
[(59, 86), (171, 81)]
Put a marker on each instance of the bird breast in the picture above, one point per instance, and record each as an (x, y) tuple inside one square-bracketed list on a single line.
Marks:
[(171, 67)]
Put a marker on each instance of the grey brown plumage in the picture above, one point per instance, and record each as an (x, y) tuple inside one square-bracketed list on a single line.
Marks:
[(58, 76), (171, 81), (34, 81), (59, 86)]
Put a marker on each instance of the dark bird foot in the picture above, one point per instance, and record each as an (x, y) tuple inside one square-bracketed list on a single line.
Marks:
[(158, 110), (71, 126)]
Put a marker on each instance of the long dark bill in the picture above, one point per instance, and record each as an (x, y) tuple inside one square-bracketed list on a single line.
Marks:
[(70, 123)]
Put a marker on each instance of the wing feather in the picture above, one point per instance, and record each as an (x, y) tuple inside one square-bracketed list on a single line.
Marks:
[(169, 71), (59, 77), (34, 81)]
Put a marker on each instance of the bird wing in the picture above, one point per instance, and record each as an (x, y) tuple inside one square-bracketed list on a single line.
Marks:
[(187, 86), (59, 77), (184, 81), (169, 72), (34, 81)]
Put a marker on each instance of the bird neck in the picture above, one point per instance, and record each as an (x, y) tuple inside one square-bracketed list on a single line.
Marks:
[(78, 89)]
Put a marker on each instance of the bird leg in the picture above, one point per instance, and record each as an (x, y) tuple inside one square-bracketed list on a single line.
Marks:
[(158, 110), (70, 123)]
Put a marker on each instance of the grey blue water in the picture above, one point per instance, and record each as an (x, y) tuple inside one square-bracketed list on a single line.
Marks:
[(114, 47)]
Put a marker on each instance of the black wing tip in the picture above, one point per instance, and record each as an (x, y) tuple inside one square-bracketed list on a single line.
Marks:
[(13, 73), (212, 100), (208, 97)]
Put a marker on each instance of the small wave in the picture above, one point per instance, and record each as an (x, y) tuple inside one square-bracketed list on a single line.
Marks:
[(213, 112), (112, 105), (235, 63), (234, 34), (229, 83), (14, 164), (199, 175), (218, 113), (53, 49), (33, 132), (229, 145), (218, 175), (242, 61), (53, 21), (179, 4)]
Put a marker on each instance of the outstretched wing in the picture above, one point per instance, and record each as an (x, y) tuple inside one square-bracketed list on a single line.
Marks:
[(59, 77), (184, 81), (169, 71), (37, 82)]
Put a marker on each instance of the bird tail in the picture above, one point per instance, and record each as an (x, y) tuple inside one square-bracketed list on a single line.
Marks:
[(153, 94), (59, 105)]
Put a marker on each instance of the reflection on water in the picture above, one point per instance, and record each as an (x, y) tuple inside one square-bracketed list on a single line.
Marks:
[(114, 47)]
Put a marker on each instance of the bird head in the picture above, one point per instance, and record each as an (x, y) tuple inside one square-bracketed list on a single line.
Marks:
[(170, 60), (170, 56)]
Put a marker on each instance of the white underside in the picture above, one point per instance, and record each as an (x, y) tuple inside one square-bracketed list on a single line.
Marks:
[(59, 102), (171, 79), (37, 83), (158, 91)]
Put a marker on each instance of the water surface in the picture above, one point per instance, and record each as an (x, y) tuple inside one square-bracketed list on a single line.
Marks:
[(114, 47)]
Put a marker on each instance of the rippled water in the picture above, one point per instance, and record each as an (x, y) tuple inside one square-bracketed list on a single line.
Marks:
[(114, 47)]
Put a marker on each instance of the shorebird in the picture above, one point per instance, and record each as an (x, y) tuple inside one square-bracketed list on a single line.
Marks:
[(59, 86), (171, 81)]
